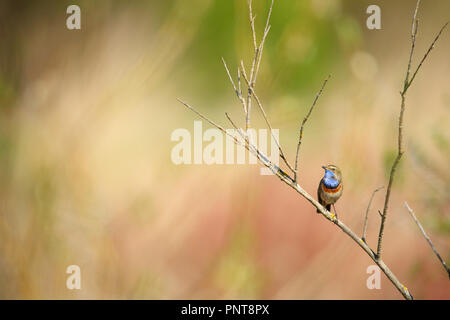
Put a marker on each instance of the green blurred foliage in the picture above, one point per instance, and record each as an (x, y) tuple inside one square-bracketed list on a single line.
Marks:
[(304, 44)]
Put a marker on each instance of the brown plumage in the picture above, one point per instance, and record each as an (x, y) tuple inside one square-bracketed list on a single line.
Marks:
[(330, 187)]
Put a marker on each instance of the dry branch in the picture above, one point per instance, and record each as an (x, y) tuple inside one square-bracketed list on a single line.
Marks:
[(261, 108), (256, 59), (411, 212), (367, 213), (303, 124)]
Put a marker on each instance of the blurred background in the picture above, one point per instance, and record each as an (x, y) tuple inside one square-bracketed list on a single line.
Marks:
[(86, 175)]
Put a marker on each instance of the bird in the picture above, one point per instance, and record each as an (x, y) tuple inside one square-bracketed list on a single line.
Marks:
[(330, 187)]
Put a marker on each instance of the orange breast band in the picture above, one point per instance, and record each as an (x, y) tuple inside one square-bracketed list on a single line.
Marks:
[(331, 190)]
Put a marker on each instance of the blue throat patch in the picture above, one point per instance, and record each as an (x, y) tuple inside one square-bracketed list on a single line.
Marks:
[(329, 180)]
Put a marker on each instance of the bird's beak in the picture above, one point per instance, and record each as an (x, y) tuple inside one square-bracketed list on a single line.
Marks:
[(323, 167)]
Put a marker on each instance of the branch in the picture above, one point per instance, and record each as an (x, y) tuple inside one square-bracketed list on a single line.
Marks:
[(261, 45), (407, 84), (303, 124), (282, 156), (256, 59), (427, 53), (239, 83), (414, 28), (411, 212), (210, 121), (238, 92), (367, 213), (252, 23)]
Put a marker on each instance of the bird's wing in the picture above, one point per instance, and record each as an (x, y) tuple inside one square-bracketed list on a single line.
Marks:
[(319, 198)]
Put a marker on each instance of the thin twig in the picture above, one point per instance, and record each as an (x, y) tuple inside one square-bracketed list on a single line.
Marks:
[(230, 77), (256, 58), (210, 121), (303, 124), (407, 84), (231, 121), (261, 45), (249, 98), (238, 92), (258, 102), (244, 138), (414, 28), (239, 82), (428, 52), (367, 213), (259, 155), (411, 212), (239, 130), (252, 23), (255, 46)]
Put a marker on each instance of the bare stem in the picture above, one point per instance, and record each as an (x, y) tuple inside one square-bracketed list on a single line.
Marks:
[(414, 28), (407, 84), (261, 45), (391, 180), (236, 90), (431, 47), (252, 23), (261, 108), (239, 82), (303, 124), (366, 219), (411, 212), (256, 58), (210, 121)]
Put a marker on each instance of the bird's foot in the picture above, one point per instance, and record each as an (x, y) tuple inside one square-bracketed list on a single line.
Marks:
[(334, 218)]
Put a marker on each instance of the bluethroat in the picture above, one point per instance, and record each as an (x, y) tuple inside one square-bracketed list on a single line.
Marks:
[(330, 187)]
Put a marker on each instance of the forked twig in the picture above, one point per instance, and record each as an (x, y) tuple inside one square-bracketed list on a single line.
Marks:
[(256, 58), (428, 52), (261, 108), (210, 121), (367, 213), (236, 90)]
